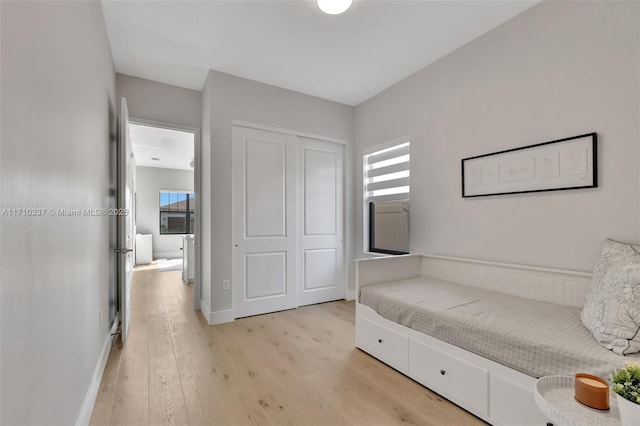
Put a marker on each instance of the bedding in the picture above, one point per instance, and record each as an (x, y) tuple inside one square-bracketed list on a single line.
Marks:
[(535, 338)]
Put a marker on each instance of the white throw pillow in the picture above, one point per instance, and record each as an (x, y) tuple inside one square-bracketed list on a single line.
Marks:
[(612, 309)]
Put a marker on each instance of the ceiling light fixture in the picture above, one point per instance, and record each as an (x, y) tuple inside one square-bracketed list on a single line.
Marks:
[(334, 7)]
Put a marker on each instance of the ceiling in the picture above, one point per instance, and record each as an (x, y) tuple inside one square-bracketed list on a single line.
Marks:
[(346, 58), (172, 148)]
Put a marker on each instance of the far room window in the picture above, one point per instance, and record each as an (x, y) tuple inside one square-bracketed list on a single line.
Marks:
[(386, 197), (177, 212)]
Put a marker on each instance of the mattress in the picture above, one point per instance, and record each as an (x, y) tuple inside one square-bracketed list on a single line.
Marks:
[(535, 338)]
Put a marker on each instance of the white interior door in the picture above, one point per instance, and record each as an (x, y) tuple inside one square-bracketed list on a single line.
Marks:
[(264, 221), (321, 277), (126, 170)]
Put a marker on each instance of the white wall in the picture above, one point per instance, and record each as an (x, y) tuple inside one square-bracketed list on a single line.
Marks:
[(58, 122), (560, 69), (151, 100), (150, 181), (232, 98)]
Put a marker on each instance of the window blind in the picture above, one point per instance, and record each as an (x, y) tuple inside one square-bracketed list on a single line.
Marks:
[(387, 174)]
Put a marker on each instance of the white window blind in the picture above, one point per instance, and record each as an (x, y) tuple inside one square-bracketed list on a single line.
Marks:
[(387, 174)]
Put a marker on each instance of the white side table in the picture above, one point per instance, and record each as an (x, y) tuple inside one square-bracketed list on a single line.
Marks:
[(555, 396)]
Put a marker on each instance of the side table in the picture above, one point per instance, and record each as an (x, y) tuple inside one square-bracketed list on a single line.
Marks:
[(555, 396)]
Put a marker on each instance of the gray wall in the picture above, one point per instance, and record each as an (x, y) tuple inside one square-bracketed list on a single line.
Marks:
[(58, 121), (159, 102), (206, 198), (149, 182), (560, 69), (232, 98)]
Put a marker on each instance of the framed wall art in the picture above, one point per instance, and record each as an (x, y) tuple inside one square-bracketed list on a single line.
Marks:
[(568, 163)]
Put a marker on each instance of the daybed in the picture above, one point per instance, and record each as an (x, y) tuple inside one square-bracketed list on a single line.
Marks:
[(478, 333)]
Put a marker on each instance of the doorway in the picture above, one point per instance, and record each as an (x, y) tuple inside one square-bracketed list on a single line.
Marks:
[(288, 221), (167, 202)]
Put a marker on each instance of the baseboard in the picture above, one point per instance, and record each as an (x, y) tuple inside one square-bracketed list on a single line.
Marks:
[(205, 310), (217, 317), (92, 393), (167, 255), (220, 317)]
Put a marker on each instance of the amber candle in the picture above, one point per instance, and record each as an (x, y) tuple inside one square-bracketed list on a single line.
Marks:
[(592, 391)]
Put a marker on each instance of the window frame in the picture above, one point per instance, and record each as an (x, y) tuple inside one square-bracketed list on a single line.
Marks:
[(368, 205), (190, 197)]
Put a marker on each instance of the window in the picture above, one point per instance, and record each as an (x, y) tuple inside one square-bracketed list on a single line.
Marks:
[(386, 197), (177, 213)]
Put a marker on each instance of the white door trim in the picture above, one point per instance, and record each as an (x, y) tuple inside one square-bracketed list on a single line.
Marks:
[(197, 188), (241, 123)]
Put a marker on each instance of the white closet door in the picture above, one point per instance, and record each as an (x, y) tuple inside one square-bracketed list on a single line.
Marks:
[(321, 277), (264, 222)]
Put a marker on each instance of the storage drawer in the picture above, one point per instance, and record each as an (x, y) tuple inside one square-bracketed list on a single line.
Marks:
[(521, 408), (457, 380), (385, 344)]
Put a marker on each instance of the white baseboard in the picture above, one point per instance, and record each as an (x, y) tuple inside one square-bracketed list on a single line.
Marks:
[(92, 393), (205, 310), (217, 317), (220, 317), (167, 255)]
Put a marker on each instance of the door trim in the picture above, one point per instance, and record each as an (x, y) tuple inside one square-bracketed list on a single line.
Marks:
[(240, 123), (197, 188)]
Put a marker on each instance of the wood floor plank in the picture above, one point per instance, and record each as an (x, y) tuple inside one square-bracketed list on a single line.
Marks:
[(131, 402), (166, 399), (360, 402), (195, 392), (101, 415), (296, 367)]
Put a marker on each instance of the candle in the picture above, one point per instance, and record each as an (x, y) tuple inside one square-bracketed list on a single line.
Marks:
[(592, 382), (592, 391)]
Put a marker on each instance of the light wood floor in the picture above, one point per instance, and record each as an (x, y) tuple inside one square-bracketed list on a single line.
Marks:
[(297, 367)]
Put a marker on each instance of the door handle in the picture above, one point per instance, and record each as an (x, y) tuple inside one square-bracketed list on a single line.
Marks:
[(124, 250)]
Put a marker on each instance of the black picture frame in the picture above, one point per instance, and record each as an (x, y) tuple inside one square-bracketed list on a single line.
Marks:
[(541, 167)]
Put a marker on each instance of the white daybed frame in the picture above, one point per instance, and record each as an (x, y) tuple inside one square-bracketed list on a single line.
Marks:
[(491, 391)]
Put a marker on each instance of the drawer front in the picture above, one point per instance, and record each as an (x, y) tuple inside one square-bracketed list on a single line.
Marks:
[(457, 380), (385, 344), (513, 405)]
